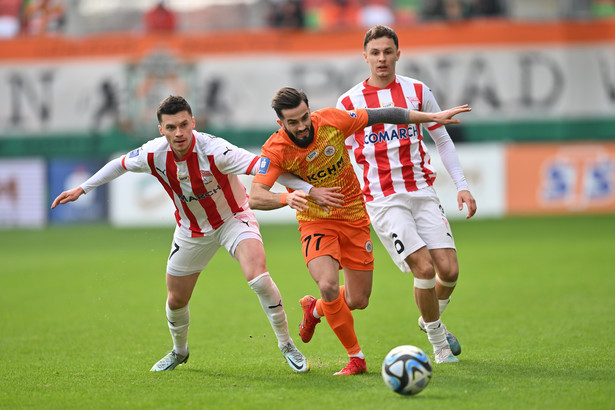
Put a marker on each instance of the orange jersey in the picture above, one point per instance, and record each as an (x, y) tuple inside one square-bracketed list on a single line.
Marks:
[(324, 163)]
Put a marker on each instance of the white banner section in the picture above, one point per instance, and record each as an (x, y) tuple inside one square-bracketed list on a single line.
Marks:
[(23, 201), (485, 169)]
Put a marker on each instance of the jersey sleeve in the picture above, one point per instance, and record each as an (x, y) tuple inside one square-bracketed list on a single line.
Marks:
[(136, 160), (429, 104), (270, 166), (348, 122), (230, 159)]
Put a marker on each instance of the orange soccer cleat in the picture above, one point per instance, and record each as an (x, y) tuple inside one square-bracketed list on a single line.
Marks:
[(355, 366), (309, 322)]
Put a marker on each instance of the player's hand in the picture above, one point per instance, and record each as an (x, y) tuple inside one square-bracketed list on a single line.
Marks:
[(297, 200), (465, 197), (326, 197), (446, 117), (68, 196)]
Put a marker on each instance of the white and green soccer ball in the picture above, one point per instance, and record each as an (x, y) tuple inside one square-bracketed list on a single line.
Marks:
[(406, 370)]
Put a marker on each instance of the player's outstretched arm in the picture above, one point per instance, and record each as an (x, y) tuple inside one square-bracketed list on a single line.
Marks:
[(446, 117), (398, 115), (465, 197), (68, 196)]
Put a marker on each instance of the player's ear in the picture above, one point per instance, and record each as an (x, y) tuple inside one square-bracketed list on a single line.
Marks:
[(160, 129), (280, 122)]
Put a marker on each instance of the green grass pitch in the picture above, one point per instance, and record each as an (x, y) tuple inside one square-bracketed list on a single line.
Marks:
[(82, 321)]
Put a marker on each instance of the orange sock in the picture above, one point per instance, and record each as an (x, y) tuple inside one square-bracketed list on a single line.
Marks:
[(341, 321), (319, 310)]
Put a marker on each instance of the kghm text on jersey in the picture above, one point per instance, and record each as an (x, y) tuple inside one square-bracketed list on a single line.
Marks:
[(384, 136), (326, 173)]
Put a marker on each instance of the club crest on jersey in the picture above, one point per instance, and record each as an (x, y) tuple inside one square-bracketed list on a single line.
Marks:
[(368, 246), (329, 150), (352, 113), (134, 153), (206, 176), (311, 155), (414, 102), (263, 165)]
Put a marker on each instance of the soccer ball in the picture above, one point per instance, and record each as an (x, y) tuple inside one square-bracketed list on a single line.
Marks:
[(406, 370)]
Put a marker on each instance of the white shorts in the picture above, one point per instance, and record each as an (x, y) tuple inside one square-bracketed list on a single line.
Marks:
[(191, 255), (407, 221)]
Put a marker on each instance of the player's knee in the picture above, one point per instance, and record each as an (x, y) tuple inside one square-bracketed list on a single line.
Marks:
[(448, 276), (329, 290), (360, 302), (176, 301), (423, 270)]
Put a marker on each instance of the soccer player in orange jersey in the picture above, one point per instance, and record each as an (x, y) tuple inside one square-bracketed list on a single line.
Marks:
[(334, 229)]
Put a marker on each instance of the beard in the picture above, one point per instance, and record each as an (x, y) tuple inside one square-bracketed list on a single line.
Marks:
[(302, 143)]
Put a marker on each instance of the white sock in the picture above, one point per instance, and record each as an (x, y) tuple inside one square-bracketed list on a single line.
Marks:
[(179, 320), (360, 355), (442, 304), (436, 334), (271, 301)]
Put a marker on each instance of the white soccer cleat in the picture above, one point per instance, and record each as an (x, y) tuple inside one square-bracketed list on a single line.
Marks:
[(170, 361), (296, 360), (450, 338), (445, 355)]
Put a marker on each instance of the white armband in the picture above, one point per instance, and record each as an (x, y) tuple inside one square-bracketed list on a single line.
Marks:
[(294, 182)]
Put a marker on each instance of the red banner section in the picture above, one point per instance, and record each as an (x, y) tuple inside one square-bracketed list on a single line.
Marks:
[(560, 178)]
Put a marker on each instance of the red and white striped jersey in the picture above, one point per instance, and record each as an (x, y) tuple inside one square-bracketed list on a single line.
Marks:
[(203, 185), (394, 158)]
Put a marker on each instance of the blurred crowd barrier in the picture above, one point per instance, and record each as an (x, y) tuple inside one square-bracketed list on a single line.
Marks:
[(542, 92), (87, 17)]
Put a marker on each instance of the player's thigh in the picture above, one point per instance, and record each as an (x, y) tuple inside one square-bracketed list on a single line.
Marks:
[(251, 256), (179, 289), (431, 223), (446, 263), (393, 221), (358, 285), (325, 272), (190, 255)]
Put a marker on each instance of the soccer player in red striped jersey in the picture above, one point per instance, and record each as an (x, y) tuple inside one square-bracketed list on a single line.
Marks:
[(398, 182), (199, 173), (312, 147)]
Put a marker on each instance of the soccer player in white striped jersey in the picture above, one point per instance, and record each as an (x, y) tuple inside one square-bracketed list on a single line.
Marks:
[(199, 173), (398, 178)]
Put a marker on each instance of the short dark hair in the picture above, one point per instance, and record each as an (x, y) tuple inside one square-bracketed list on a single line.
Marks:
[(172, 105), (287, 98), (380, 31)]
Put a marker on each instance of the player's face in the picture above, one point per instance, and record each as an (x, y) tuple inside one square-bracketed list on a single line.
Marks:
[(381, 55), (177, 129), (297, 123)]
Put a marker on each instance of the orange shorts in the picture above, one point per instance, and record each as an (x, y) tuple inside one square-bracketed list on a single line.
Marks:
[(347, 242)]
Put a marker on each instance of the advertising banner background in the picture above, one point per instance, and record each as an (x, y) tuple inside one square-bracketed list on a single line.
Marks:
[(560, 178), (67, 174), (23, 202)]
